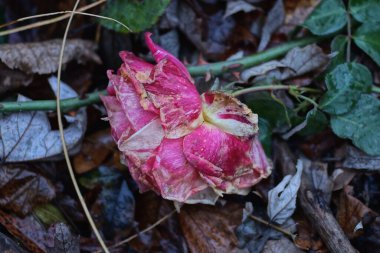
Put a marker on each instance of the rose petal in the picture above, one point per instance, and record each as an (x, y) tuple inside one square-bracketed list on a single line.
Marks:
[(119, 123), (229, 114), (160, 54), (176, 178), (224, 160), (177, 99), (130, 102)]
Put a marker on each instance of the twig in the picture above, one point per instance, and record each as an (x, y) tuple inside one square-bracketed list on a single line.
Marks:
[(142, 232), (78, 13), (60, 125), (45, 22), (279, 229)]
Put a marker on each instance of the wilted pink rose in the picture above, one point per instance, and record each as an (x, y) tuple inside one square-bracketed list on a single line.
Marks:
[(186, 147)]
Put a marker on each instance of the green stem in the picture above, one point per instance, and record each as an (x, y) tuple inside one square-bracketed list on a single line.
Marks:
[(215, 68), (375, 89), (272, 87)]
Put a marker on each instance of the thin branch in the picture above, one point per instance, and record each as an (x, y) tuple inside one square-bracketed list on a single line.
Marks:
[(60, 126), (279, 229), (142, 232), (45, 22)]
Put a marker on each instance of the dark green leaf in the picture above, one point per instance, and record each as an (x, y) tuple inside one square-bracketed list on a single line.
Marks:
[(367, 37), (361, 124), (338, 48), (137, 15), (316, 122), (365, 10), (265, 135), (328, 17), (345, 84)]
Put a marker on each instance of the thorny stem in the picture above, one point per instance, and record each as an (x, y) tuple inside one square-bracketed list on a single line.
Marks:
[(61, 133), (216, 68), (349, 36), (280, 229)]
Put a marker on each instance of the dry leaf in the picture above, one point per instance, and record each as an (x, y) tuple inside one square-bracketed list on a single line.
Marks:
[(13, 79), (211, 229), (275, 18), (27, 136), (237, 6), (282, 245), (21, 189), (358, 160), (7, 245), (282, 198), (43, 57), (307, 238), (297, 61), (350, 212), (341, 178)]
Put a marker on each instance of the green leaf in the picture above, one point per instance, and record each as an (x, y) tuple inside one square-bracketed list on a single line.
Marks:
[(361, 124), (345, 84), (265, 135), (49, 214), (137, 15), (367, 37), (316, 122), (338, 47), (328, 17), (277, 114), (365, 10)]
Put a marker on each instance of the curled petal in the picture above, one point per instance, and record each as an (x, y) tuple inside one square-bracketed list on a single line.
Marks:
[(137, 64), (176, 178), (120, 125), (130, 102), (160, 54), (176, 97), (229, 114), (222, 159)]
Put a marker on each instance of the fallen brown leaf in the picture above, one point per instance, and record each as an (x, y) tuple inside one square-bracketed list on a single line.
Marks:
[(211, 229), (307, 238), (22, 189), (42, 57), (358, 160), (350, 212)]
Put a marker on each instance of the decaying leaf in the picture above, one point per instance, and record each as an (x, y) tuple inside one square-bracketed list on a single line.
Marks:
[(341, 178), (350, 212), (358, 160), (369, 241), (42, 57), (282, 245), (7, 245), (27, 136), (237, 6), (63, 240), (22, 189), (297, 61), (253, 235), (275, 18), (282, 198), (211, 229), (11, 79), (307, 238)]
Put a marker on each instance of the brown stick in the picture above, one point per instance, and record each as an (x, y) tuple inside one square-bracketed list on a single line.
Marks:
[(314, 205)]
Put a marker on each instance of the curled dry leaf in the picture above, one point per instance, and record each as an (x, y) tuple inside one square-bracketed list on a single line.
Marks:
[(27, 136), (297, 61), (22, 189), (43, 57), (238, 6), (211, 229), (350, 212), (282, 198)]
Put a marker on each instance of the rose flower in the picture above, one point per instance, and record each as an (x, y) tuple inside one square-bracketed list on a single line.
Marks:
[(186, 147)]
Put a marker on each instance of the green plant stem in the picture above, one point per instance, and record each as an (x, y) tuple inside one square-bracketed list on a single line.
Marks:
[(272, 87), (215, 68), (375, 89)]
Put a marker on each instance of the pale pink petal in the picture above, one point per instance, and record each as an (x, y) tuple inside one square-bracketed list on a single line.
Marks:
[(120, 125), (176, 178), (177, 99), (222, 159), (130, 102), (160, 54), (229, 114)]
